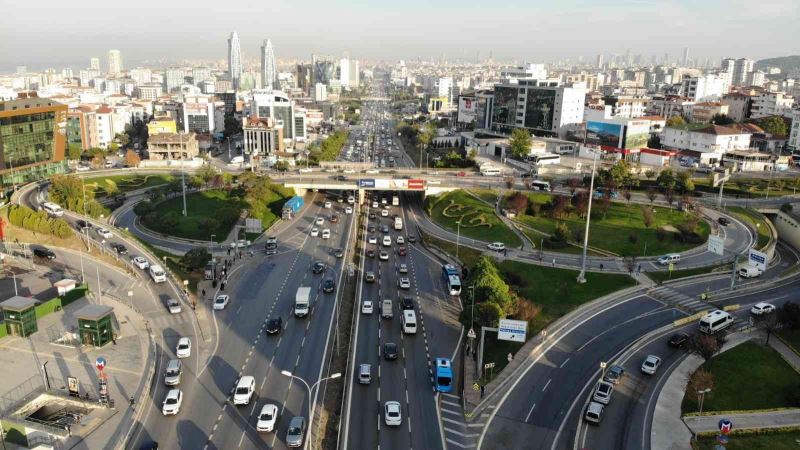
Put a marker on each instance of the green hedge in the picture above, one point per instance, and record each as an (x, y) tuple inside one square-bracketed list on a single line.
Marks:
[(58, 303), (3, 331), (38, 221), (48, 307)]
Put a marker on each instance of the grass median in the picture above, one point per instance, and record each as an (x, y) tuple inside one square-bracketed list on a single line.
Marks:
[(765, 440), (747, 377), (664, 275), (477, 219)]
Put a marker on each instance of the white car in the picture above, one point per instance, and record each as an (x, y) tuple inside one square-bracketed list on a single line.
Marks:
[(104, 233), (314, 232), (328, 205), (401, 240), (384, 255), (244, 390), (319, 221), (366, 307), (348, 210), (391, 414), (326, 233), (241, 243), (762, 308), (173, 306), (83, 168), (172, 402), (267, 418), (602, 392), (140, 262), (497, 246), (384, 213), (372, 239), (387, 241), (373, 171), (651, 364), (404, 283), (184, 348), (374, 204), (403, 268), (221, 302), (306, 170)]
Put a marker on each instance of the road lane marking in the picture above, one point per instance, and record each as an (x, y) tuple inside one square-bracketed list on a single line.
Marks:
[(563, 363), (530, 412), (546, 384)]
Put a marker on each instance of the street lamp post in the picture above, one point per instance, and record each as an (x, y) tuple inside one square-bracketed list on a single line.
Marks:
[(582, 275), (458, 235), (310, 390), (701, 395), (14, 276)]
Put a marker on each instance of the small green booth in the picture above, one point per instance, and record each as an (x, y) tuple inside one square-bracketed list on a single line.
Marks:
[(19, 314), (95, 324)]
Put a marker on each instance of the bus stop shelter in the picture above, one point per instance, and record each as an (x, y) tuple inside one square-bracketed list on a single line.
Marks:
[(19, 315), (95, 324)]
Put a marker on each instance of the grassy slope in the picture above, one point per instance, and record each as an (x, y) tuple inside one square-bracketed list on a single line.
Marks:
[(474, 210)]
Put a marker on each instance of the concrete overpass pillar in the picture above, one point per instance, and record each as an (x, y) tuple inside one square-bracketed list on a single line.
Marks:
[(362, 194)]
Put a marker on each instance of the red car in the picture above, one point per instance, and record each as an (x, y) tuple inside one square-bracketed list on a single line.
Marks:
[(401, 250), (461, 174)]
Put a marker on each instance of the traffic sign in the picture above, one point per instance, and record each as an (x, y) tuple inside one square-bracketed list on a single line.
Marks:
[(476, 387), (417, 184), (488, 365), (471, 333), (757, 259), (716, 244), (512, 330), (671, 266), (725, 426), (100, 363), (366, 183)]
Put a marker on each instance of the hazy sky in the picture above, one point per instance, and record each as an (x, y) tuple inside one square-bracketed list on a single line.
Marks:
[(58, 33)]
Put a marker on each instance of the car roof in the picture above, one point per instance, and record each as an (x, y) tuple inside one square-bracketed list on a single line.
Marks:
[(173, 393), (595, 407), (247, 379), (183, 340), (296, 421)]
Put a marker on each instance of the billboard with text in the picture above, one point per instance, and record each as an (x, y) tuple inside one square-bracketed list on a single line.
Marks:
[(467, 111), (602, 133)]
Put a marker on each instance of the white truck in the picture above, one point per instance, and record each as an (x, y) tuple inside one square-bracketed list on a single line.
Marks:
[(395, 200), (398, 223), (386, 309), (301, 301), (157, 273), (749, 272)]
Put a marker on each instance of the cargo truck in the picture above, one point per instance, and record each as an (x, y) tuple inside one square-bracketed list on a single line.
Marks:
[(292, 207), (386, 309), (301, 300)]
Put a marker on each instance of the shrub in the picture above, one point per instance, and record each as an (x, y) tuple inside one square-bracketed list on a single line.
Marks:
[(195, 258), (38, 221), (633, 238), (661, 234), (561, 233)]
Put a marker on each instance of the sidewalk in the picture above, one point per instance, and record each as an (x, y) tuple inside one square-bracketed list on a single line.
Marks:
[(772, 419), (130, 361), (668, 430)]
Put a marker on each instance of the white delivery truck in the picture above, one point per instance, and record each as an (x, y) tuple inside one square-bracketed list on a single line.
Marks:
[(301, 300), (749, 271)]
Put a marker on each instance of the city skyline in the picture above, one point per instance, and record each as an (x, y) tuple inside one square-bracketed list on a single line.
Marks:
[(571, 31)]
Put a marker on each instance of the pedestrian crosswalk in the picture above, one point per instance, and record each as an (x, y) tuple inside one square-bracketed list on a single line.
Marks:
[(167, 321), (679, 300), (457, 432)]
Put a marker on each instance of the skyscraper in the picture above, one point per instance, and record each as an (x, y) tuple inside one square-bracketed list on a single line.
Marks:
[(94, 63), (234, 60), (741, 71), (348, 72), (114, 62), (269, 70), (600, 61), (685, 57)]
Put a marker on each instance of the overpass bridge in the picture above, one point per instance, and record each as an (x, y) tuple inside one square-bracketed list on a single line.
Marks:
[(361, 185)]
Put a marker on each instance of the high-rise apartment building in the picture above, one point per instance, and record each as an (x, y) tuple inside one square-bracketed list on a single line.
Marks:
[(600, 61), (277, 106), (741, 71), (114, 62), (348, 72), (303, 76), (201, 74), (685, 57), (173, 79), (269, 69), (704, 89), (32, 140), (538, 105), (94, 63), (234, 60)]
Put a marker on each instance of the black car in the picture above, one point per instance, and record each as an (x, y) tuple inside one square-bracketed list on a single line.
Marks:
[(390, 350), (329, 285), (384, 229), (81, 224), (339, 253), (318, 267), (275, 325), (407, 303), (724, 221), (371, 228), (678, 340), (372, 216), (119, 248), (42, 252), (370, 253), (412, 238), (334, 218)]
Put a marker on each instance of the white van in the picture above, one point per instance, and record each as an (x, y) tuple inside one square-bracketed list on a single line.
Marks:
[(715, 321), (749, 272), (364, 374), (409, 321), (157, 273), (172, 375), (52, 209), (672, 258)]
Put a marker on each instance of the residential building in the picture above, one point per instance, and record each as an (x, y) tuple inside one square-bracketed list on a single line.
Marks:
[(706, 88), (150, 91), (161, 124), (628, 106), (741, 71), (94, 64), (114, 62), (768, 104), (669, 106), (537, 105), (263, 137), (173, 79), (105, 126), (703, 112), (275, 105), (706, 142), (757, 78), (201, 74), (794, 132), (234, 60), (141, 75), (32, 139), (198, 114), (748, 161), (529, 71), (173, 146), (320, 92), (269, 69), (738, 105)]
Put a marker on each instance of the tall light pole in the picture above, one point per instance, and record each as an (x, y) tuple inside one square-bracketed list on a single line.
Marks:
[(701, 395), (183, 174), (582, 275), (310, 389), (458, 235)]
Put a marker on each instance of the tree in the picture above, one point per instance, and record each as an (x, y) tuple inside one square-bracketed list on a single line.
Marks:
[(773, 125), (195, 258), (722, 119), (561, 233), (620, 174), (232, 126), (769, 323), (123, 139), (700, 380), (518, 201), (676, 121), (650, 174), (581, 203), (666, 179), (520, 143), (132, 159), (488, 314), (627, 194), (789, 315), (604, 205), (426, 135), (647, 216), (281, 166), (206, 173), (74, 152), (669, 196), (654, 141), (651, 194), (704, 346), (573, 184), (684, 182)]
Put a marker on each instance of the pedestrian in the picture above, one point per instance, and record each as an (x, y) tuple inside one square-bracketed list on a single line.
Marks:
[(554, 262), (204, 293), (222, 286), (601, 267), (639, 269), (505, 252), (251, 252), (482, 390), (229, 252), (132, 402)]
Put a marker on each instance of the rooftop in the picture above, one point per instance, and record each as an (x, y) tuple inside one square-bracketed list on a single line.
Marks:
[(18, 303), (172, 138), (93, 312)]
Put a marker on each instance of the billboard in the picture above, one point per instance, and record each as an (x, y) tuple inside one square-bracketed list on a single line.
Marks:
[(391, 184), (467, 109), (601, 133), (637, 133), (757, 259), (716, 244), (512, 330), (418, 184), (366, 183)]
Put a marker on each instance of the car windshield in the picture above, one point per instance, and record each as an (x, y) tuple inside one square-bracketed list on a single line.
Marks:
[(266, 416), (172, 401), (242, 390), (182, 346), (294, 430)]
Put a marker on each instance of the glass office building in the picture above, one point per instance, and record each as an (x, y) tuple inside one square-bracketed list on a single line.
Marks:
[(32, 140)]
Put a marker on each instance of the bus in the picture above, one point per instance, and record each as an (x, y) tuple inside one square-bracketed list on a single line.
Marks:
[(545, 159), (444, 375), (52, 209), (451, 277), (540, 185)]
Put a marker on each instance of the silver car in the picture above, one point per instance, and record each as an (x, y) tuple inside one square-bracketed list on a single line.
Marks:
[(296, 432)]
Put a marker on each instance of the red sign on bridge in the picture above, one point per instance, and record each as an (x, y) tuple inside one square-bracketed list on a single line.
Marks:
[(417, 184)]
